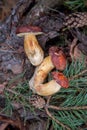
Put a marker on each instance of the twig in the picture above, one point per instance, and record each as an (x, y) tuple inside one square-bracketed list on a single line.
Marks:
[(52, 117), (78, 75), (9, 51), (67, 108), (48, 100), (57, 121)]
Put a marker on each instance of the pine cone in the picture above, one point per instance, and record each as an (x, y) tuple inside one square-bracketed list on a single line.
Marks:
[(37, 101), (76, 20)]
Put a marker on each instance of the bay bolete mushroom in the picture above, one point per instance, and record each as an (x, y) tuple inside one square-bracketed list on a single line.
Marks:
[(41, 72), (58, 58), (32, 48)]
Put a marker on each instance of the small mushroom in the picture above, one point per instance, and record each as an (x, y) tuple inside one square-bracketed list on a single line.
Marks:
[(41, 72), (58, 58), (60, 79), (32, 48)]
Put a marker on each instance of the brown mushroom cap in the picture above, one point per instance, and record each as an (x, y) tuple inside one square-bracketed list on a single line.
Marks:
[(60, 79), (58, 58), (23, 30)]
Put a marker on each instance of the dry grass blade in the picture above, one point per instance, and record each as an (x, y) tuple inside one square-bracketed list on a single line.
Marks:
[(68, 108)]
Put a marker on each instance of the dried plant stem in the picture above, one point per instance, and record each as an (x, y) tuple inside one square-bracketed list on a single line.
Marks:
[(61, 109), (52, 117), (67, 108), (48, 99), (57, 121), (78, 75)]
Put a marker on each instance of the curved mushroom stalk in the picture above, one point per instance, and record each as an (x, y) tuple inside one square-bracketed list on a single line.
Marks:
[(41, 73), (33, 50), (47, 89)]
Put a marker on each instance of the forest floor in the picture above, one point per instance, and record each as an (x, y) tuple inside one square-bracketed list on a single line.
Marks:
[(20, 109)]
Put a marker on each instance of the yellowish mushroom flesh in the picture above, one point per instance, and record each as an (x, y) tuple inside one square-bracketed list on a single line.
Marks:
[(47, 89), (41, 72), (33, 50)]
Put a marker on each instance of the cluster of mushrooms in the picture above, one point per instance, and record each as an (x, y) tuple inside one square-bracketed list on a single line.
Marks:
[(55, 60)]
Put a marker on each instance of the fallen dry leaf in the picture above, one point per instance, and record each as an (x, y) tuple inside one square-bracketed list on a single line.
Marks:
[(17, 69), (75, 52), (3, 126)]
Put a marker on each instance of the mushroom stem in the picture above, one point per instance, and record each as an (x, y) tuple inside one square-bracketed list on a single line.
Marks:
[(51, 87), (33, 50), (41, 73), (47, 89)]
